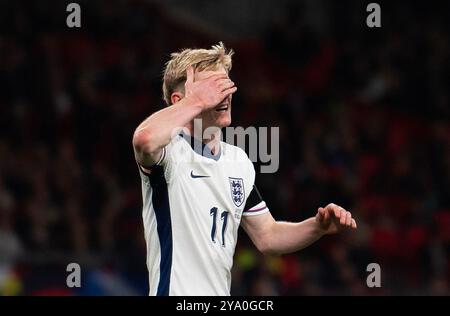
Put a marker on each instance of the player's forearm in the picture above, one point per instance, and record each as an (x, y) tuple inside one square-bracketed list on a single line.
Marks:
[(290, 237), (156, 131)]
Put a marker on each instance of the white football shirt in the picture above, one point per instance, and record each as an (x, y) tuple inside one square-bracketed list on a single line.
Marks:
[(192, 207)]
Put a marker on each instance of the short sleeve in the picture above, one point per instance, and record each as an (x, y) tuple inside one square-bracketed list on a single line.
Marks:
[(255, 205), (167, 162)]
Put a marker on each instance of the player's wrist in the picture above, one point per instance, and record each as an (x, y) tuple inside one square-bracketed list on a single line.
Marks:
[(194, 102), (320, 229)]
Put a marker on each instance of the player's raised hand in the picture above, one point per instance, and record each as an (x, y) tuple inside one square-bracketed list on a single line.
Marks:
[(333, 218), (209, 91)]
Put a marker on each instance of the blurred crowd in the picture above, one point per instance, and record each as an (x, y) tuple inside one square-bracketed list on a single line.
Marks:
[(364, 122)]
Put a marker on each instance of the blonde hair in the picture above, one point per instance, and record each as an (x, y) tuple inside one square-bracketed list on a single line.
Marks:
[(200, 59)]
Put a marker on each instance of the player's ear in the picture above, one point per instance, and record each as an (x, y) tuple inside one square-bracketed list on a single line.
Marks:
[(176, 96)]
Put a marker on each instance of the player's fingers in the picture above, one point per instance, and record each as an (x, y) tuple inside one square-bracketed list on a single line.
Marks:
[(226, 84), (208, 73), (334, 209), (327, 215), (348, 219), (215, 76), (190, 74), (229, 91), (343, 216), (320, 214), (219, 76), (354, 223)]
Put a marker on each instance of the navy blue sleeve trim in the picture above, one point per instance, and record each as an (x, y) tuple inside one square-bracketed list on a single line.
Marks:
[(141, 168), (253, 199)]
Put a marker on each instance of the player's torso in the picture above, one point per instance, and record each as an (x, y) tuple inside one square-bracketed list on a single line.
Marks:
[(206, 200)]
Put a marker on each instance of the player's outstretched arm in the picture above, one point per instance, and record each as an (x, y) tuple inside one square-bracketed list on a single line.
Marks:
[(156, 131), (275, 237)]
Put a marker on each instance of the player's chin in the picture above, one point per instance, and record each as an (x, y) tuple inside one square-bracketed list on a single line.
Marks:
[(223, 120)]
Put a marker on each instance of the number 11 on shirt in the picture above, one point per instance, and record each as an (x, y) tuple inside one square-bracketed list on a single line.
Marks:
[(224, 219)]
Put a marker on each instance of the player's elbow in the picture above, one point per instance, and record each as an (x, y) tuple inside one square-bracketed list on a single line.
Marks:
[(268, 250), (263, 235), (144, 142), (265, 245), (265, 249)]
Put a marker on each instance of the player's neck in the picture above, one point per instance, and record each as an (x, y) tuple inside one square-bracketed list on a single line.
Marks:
[(210, 138)]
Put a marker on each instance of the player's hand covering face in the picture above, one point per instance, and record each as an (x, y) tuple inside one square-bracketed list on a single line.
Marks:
[(333, 218), (209, 88), (213, 91)]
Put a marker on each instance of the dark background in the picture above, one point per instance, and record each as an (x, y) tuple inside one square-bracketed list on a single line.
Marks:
[(363, 116)]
